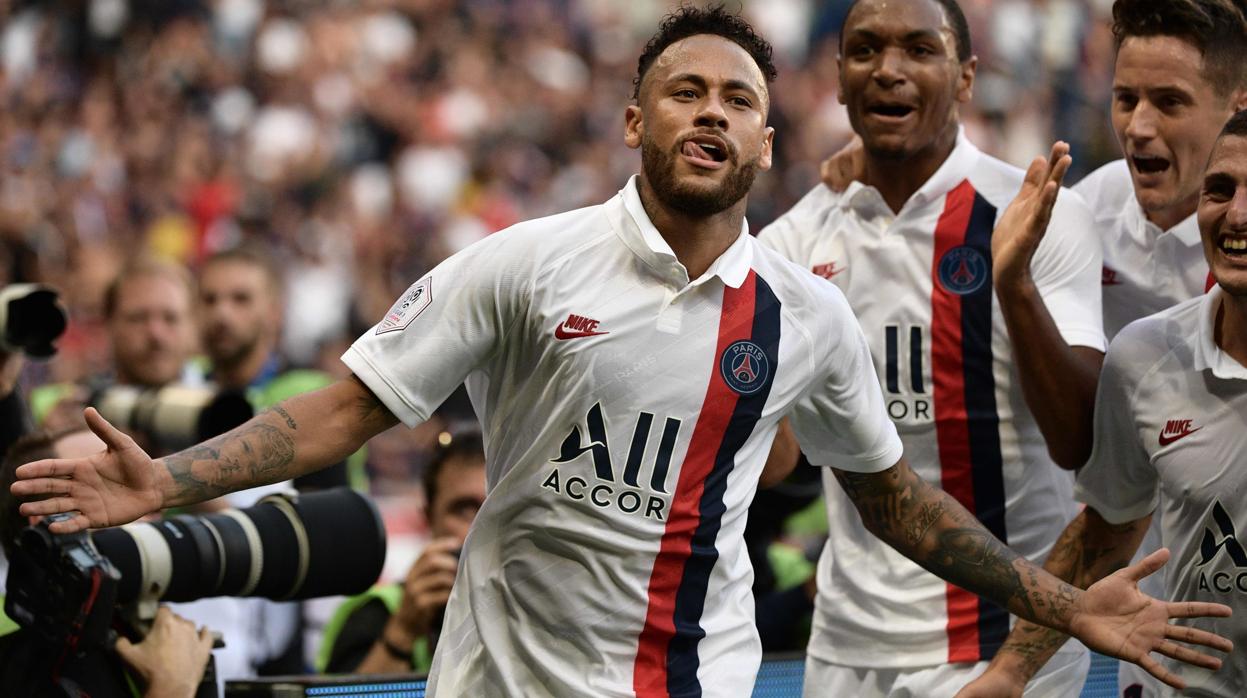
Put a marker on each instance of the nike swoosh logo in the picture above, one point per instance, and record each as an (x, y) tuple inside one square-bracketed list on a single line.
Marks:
[(1166, 440), (561, 333)]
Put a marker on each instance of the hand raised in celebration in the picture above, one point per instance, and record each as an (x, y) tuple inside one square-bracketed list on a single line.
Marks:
[(1117, 619), (112, 487), (1021, 228)]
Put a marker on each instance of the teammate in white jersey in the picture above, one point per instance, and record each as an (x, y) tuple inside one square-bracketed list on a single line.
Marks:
[(1179, 75), (1169, 439), (988, 344), (629, 363)]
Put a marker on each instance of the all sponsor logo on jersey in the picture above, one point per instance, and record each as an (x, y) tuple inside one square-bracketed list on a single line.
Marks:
[(744, 367), (904, 374), (1108, 277), (1176, 429), (963, 270), (409, 307), (1219, 544), (609, 489)]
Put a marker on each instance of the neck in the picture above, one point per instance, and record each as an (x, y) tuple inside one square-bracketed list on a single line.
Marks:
[(696, 240), (1231, 327), (239, 374), (898, 178), (1168, 217)]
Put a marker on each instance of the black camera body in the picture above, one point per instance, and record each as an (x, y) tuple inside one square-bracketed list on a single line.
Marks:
[(61, 587)]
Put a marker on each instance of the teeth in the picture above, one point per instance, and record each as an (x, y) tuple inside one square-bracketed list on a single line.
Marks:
[(1236, 245)]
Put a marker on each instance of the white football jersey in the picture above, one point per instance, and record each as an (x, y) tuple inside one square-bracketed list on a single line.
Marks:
[(628, 413), (1146, 269), (920, 283), (1170, 438)]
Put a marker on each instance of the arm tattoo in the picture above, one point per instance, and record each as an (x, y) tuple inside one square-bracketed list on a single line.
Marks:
[(931, 528), (289, 420), (253, 454)]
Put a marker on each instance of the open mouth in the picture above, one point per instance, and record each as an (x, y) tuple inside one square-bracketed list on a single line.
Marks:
[(895, 111), (1234, 246), (705, 148), (1149, 164)]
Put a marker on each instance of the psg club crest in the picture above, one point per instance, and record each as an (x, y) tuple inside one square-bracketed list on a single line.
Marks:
[(963, 270), (409, 307), (744, 367)]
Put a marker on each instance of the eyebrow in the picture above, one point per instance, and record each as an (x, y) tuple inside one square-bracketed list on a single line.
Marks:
[(910, 37), (1219, 180), (701, 82)]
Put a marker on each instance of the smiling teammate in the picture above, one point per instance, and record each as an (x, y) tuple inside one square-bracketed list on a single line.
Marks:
[(988, 342), (621, 458), (1169, 438)]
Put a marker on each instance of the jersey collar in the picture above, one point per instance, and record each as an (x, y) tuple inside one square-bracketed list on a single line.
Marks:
[(1185, 232), (640, 235), (956, 168), (1207, 355)]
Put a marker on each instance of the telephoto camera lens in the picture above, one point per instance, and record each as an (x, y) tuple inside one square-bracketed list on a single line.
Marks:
[(285, 547)]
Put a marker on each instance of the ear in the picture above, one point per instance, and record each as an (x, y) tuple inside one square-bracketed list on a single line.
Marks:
[(634, 126), (840, 75), (768, 142), (965, 81), (1240, 99)]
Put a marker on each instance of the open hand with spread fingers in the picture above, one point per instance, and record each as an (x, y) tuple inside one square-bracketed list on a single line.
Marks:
[(1020, 230), (112, 487), (1117, 619)]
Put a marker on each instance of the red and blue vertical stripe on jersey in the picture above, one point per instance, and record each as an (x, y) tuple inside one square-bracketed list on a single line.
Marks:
[(966, 420), (667, 660)]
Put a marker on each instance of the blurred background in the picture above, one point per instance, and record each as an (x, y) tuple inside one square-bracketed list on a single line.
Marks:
[(362, 142)]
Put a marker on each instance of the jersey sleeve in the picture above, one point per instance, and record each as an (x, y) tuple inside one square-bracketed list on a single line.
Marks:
[(1119, 481), (840, 421), (1067, 269), (444, 327)]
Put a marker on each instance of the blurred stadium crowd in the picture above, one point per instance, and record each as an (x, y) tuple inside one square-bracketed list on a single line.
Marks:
[(362, 142)]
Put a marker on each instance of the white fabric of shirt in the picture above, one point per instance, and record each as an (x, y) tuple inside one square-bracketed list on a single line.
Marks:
[(558, 573), (876, 608), (1146, 269), (1170, 438)]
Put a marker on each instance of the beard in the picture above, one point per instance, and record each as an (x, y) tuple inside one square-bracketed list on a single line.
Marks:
[(698, 202)]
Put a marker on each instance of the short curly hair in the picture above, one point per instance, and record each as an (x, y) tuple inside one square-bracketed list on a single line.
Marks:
[(1216, 27), (714, 20)]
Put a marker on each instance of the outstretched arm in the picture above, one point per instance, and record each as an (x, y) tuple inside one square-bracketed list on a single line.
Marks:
[(1113, 617), (122, 483), (1088, 550)]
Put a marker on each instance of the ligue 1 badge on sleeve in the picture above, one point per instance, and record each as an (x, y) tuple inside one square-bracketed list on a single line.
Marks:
[(409, 307)]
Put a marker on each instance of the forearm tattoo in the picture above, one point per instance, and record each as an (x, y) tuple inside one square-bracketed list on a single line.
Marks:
[(258, 452), (931, 528)]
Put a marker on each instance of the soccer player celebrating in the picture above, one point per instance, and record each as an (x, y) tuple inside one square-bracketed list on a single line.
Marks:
[(629, 362), (1169, 439), (989, 343)]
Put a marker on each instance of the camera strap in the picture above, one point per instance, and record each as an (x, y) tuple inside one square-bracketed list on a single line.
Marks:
[(79, 622)]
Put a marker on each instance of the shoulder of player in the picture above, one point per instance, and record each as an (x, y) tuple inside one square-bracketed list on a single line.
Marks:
[(538, 243), (807, 296), (815, 206), (1143, 344), (1107, 188), (998, 183)]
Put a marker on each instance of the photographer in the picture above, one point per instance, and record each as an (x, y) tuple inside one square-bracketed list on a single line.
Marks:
[(170, 661), (392, 628)]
